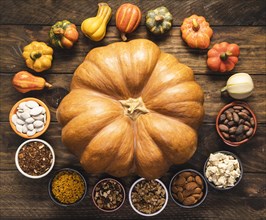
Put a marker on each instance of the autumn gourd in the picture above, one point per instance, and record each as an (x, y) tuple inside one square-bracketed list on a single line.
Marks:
[(132, 109), (128, 17), (38, 56), (95, 27), (196, 32), (63, 34), (223, 57), (159, 20), (24, 81)]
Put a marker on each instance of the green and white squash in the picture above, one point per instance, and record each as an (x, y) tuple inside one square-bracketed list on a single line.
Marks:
[(159, 20)]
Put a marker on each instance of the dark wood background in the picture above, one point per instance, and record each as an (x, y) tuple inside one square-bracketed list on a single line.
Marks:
[(235, 21)]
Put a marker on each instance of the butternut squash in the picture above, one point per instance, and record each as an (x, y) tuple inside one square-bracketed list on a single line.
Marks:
[(24, 82)]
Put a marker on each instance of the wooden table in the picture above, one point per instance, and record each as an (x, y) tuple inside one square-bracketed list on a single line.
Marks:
[(235, 21)]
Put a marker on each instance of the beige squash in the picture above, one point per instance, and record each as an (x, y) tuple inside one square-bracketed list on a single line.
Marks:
[(132, 109)]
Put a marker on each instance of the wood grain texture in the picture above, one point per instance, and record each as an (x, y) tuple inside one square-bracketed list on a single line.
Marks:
[(235, 21), (210, 84), (251, 154), (251, 41), (246, 200), (234, 12)]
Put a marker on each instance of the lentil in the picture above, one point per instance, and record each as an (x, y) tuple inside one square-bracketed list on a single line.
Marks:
[(68, 187)]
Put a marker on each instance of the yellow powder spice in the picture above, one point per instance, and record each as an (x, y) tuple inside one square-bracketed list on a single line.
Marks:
[(68, 187)]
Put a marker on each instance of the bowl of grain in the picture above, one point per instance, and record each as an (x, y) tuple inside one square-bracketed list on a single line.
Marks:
[(35, 158), (67, 187), (223, 170), (188, 188), (29, 118), (148, 197), (108, 195)]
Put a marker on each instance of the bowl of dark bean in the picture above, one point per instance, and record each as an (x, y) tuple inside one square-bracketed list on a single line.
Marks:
[(67, 187), (29, 118), (188, 188), (35, 158), (148, 197), (108, 195), (236, 123)]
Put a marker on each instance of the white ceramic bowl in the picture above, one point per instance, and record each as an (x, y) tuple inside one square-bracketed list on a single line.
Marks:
[(141, 213), (30, 176)]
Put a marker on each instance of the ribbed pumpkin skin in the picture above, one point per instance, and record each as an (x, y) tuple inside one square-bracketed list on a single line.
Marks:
[(159, 20), (196, 38), (96, 127), (128, 17)]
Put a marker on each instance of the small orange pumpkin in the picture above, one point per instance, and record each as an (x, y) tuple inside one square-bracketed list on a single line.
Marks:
[(196, 32), (223, 57), (128, 17)]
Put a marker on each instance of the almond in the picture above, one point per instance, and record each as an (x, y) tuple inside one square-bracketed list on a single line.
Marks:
[(180, 197), (197, 190), (189, 200), (185, 174), (187, 193), (180, 181), (190, 179), (191, 186), (199, 180)]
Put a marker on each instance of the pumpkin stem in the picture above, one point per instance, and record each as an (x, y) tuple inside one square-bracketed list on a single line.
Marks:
[(225, 55), (195, 25), (134, 107), (48, 85), (35, 55), (159, 18), (123, 36), (58, 31)]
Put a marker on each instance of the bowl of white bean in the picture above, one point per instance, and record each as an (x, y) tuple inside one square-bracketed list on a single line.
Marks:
[(223, 170), (29, 118)]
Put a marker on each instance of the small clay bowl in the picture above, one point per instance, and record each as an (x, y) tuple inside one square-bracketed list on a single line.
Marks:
[(17, 159), (14, 110), (229, 187), (141, 213), (107, 180), (52, 196), (205, 189), (236, 143)]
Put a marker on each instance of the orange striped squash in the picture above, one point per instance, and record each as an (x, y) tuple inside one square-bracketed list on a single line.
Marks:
[(128, 17)]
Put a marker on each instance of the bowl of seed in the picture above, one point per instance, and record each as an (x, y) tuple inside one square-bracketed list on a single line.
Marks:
[(148, 197), (188, 188), (67, 187), (236, 123), (108, 195), (35, 158), (29, 118)]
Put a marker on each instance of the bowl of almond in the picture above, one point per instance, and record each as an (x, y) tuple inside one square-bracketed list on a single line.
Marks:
[(188, 188)]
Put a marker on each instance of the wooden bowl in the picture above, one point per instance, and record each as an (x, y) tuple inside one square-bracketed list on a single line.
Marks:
[(14, 110), (246, 106)]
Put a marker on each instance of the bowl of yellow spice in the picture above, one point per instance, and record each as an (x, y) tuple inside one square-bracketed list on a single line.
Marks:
[(67, 187)]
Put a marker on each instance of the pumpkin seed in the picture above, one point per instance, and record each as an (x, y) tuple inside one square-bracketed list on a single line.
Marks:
[(32, 104)]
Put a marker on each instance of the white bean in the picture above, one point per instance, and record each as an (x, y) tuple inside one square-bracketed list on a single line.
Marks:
[(32, 104), (30, 127), (36, 111), (37, 124), (30, 133), (29, 120)]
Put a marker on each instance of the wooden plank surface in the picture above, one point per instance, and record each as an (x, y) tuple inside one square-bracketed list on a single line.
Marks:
[(211, 85), (235, 21), (217, 12), (251, 41)]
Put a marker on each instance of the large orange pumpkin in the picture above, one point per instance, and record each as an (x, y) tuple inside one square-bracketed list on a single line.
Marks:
[(131, 109)]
